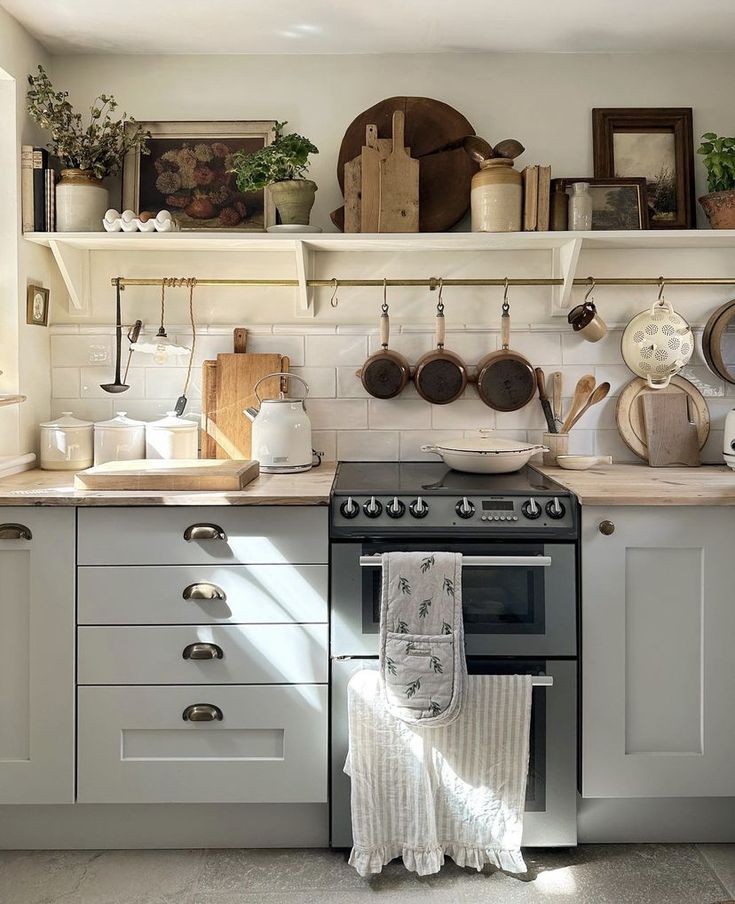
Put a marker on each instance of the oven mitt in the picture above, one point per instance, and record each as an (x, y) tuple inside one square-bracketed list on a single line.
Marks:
[(422, 658)]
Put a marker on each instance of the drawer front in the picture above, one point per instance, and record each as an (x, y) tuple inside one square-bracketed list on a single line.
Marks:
[(202, 595), (245, 654), (249, 535), (270, 745)]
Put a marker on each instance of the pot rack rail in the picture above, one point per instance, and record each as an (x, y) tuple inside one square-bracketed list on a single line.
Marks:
[(435, 282)]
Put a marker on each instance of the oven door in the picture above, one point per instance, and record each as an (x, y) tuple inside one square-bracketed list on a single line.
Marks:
[(524, 604), (550, 818)]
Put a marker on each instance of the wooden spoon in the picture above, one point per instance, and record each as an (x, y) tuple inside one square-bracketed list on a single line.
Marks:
[(583, 389), (509, 148), (596, 396), (478, 148)]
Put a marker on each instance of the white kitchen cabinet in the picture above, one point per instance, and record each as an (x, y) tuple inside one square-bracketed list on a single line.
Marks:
[(658, 627), (37, 560)]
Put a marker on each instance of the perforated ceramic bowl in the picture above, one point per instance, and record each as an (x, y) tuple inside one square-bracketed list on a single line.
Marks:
[(657, 343)]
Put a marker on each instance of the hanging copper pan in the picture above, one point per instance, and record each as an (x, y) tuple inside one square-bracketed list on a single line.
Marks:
[(384, 375), (440, 376)]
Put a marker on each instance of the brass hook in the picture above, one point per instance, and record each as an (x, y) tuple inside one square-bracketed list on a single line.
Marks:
[(591, 280), (334, 301), (506, 305), (661, 284), (385, 295), (439, 302)]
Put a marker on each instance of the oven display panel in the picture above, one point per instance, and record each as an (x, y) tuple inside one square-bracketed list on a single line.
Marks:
[(497, 505)]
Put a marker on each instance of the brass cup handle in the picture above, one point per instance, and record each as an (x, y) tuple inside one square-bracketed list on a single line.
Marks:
[(202, 712), (203, 651), (204, 591), (204, 532), (15, 532), (606, 528)]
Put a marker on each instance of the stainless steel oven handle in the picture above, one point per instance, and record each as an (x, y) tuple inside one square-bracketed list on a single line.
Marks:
[(479, 561)]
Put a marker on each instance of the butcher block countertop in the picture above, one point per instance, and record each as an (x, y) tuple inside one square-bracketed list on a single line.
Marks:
[(642, 485), (57, 488)]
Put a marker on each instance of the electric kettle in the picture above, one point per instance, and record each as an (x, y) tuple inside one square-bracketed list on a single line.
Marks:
[(281, 438)]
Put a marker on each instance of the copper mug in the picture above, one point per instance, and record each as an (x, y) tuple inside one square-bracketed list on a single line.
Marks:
[(587, 322)]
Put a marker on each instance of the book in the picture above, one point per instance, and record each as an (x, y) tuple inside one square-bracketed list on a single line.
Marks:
[(26, 187), (544, 198), (530, 198), (40, 163), (50, 198)]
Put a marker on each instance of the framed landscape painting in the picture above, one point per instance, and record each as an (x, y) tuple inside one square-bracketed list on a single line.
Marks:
[(186, 174), (655, 143), (616, 203)]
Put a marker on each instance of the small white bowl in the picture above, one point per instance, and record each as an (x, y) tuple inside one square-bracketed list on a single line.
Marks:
[(582, 462)]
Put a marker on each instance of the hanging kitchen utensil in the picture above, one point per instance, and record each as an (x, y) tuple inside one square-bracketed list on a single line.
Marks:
[(477, 148), (118, 385), (544, 399), (506, 381), (657, 343), (582, 392), (556, 384), (384, 375), (181, 402), (133, 334), (440, 376)]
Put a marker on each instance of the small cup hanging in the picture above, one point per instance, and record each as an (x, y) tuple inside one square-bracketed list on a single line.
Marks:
[(584, 318)]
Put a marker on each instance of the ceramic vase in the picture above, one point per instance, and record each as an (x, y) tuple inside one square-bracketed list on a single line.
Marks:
[(81, 202), (496, 197)]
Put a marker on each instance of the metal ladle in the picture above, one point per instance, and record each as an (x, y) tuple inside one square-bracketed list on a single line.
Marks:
[(118, 385)]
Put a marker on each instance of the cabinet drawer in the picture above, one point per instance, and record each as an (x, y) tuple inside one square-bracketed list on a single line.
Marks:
[(270, 745), (251, 535), (242, 594), (250, 654)]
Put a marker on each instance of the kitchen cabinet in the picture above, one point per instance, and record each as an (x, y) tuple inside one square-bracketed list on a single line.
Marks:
[(658, 679), (37, 560)]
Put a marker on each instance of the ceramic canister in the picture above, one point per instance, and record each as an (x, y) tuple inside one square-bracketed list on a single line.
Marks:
[(171, 438), (81, 202), (119, 439), (66, 444), (496, 197)]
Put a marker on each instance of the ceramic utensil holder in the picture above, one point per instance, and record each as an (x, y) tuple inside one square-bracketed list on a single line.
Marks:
[(557, 444)]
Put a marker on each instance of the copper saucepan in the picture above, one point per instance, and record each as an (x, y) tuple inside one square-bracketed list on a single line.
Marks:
[(440, 376), (385, 374)]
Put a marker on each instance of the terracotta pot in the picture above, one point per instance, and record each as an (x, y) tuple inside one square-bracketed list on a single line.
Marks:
[(720, 208), (496, 197), (81, 202), (294, 200)]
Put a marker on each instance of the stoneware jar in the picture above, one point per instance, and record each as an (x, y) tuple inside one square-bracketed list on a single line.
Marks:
[(119, 439), (81, 202), (496, 197), (66, 444), (172, 438)]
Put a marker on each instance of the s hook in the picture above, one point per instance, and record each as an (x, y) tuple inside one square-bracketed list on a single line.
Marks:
[(334, 301)]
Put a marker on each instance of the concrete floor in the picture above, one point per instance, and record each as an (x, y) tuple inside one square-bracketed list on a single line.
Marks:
[(591, 874)]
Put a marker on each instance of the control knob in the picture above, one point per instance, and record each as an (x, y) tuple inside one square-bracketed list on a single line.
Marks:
[(531, 509), (349, 508), (372, 508), (418, 508), (395, 508), (555, 509), (464, 508)]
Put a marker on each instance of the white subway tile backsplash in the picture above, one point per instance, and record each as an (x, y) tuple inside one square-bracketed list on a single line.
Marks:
[(331, 351), (576, 350), (617, 375), (291, 346), (337, 414), (541, 349), (398, 414), (608, 442), (413, 440), (464, 414), (305, 329), (367, 445), (707, 383), (92, 377), (713, 448), (65, 382), (80, 351), (86, 409), (530, 417), (349, 385), (410, 345), (168, 382), (325, 443), (322, 382)]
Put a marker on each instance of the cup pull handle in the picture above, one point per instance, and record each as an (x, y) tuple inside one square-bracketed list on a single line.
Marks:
[(204, 532), (202, 712), (203, 651), (15, 532), (204, 591)]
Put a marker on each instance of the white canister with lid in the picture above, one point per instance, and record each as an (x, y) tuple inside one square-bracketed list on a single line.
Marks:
[(119, 439), (172, 438), (66, 444)]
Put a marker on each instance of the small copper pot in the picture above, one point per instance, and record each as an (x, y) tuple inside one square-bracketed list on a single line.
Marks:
[(440, 376), (385, 374)]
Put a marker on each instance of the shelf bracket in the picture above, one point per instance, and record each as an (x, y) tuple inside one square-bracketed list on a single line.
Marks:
[(563, 266), (305, 306), (73, 264)]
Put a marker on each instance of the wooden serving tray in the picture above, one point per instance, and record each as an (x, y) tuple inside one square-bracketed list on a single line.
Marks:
[(186, 474)]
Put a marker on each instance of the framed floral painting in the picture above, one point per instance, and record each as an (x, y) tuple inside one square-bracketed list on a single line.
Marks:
[(186, 172)]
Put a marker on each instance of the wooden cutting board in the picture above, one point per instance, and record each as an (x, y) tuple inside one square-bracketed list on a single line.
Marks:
[(208, 444), (671, 437), (370, 181), (399, 185), (353, 183), (188, 474)]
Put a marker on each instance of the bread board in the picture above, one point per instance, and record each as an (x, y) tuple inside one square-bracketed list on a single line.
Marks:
[(153, 474)]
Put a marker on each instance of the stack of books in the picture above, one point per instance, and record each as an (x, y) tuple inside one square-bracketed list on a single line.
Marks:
[(38, 190), (536, 198)]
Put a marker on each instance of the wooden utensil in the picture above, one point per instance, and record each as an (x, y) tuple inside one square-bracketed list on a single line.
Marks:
[(207, 442), (582, 392), (195, 474), (509, 148), (505, 380), (399, 184), (370, 181), (556, 397), (477, 148), (670, 435), (596, 396), (545, 404)]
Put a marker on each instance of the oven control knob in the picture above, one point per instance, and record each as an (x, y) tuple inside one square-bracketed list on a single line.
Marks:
[(395, 508), (372, 508), (349, 508), (418, 508), (555, 509), (531, 509), (464, 508)]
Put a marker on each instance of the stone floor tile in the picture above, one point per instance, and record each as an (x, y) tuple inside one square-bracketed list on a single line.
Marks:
[(30, 877), (721, 857)]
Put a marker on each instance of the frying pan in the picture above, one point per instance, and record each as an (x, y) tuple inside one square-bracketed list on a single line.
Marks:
[(384, 375), (505, 379), (440, 376)]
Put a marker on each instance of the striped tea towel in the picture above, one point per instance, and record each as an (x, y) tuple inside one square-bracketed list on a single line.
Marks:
[(422, 659), (422, 793)]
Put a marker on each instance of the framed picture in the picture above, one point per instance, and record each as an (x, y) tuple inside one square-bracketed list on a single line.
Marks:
[(655, 143), (37, 306), (616, 203), (186, 173)]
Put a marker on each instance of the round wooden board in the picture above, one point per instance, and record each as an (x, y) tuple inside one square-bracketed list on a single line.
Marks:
[(717, 325), (444, 176), (629, 412)]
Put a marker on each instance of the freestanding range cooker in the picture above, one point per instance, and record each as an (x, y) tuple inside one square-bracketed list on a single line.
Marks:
[(520, 605)]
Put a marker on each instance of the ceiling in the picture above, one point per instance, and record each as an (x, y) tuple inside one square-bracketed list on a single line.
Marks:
[(375, 26)]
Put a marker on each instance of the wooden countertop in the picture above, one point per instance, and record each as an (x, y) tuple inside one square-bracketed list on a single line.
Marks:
[(641, 485), (57, 488)]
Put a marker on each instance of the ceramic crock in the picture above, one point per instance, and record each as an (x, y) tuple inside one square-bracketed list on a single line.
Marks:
[(172, 438), (81, 202), (496, 197), (119, 439), (66, 444)]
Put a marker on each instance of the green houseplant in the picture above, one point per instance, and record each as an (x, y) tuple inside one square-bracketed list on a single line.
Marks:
[(88, 152), (719, 159), (280, 168)]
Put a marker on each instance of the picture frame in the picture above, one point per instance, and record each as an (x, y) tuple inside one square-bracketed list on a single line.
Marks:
[(186, 174), (631, 211), (37, 305), (656, 143)]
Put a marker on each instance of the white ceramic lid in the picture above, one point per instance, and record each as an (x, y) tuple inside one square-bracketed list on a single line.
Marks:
[(68, 422), (484, 444), (172, 422), (119, 422)]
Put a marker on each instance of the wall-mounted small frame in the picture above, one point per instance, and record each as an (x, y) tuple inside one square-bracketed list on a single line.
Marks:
[(37, 303)]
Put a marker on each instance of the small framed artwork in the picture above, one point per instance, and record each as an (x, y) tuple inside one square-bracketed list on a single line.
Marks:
[(37, 306), (616, 203), (655, 143), (185, 172)]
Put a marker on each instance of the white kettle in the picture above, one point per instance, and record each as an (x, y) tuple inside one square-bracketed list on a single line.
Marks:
[(281, 439)]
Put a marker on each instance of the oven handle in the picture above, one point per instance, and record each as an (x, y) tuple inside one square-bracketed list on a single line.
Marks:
[(479, 561)]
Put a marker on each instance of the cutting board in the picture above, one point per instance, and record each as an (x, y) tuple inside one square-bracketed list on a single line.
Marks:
[(353, 182), (208, 443), (187, 474), (671, 437), (370, 181), (399, 185)]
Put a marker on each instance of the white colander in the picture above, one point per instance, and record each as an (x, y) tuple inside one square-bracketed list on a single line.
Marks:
[(657, 343)]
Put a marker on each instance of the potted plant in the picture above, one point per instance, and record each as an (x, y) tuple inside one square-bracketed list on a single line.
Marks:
[(87, 153), (280, 167), (719, 159)]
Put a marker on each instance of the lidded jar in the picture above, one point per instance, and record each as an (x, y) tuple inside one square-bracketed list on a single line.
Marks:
[(496, 197), (171, 438), (66, 444), (119, 439)]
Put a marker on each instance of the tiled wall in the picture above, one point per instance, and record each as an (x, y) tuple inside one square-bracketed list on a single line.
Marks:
[(347, 423)]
